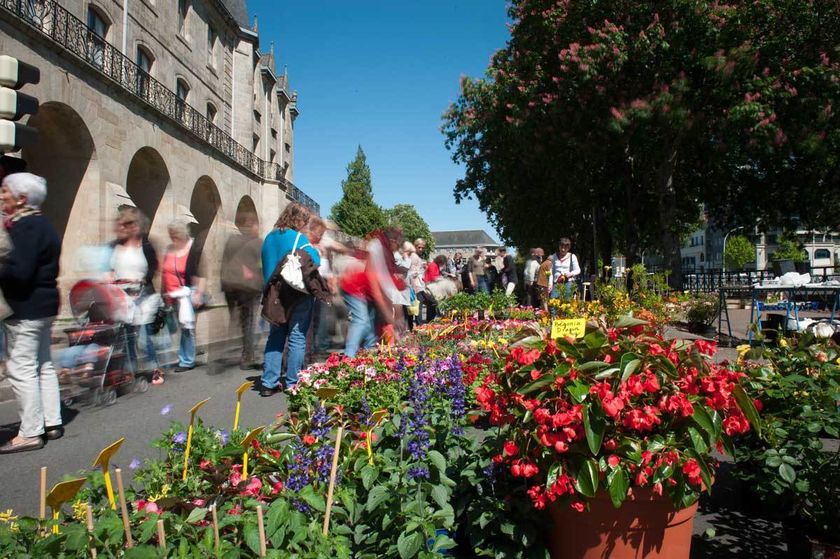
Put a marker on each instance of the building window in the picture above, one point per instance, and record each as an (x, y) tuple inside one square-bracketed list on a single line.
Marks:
[(212, 40), (97, 31), (182, 92), (183, 11), (211, 113), (822, 253), (256, 143), (144, 61)]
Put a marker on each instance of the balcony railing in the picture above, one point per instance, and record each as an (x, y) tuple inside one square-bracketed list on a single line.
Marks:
[(66, 30)]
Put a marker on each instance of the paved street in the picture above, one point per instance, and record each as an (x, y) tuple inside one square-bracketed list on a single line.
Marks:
[(137, 417)]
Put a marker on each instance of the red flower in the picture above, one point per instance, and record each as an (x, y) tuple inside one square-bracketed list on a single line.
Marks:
[(253, 488), (707, 348), (613, 460), (277, 487), (537, 497), (523, 357), (691, 469), (736, 424), (758, 405), (578, 506), (309, 440), (642, 419), (535, 374), (613, 406), (656, 349), (511, 448)]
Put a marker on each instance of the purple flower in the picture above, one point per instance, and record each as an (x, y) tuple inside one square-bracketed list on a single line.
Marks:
[(135, 463), (320, 422), (299, 466), (166, 409), (223, 436), (417, 423), (418, 472), (179, 438)]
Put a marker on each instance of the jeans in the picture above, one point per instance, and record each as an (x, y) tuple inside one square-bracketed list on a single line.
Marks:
[(483, 285), (243, 306), (186, 349), (32, 375), (295, 330), (362, 329), (133, 333)]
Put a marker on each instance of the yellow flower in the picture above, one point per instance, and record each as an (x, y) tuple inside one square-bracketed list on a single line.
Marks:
[(783, 342), (79, 510), (503, 341), (8, 516), (742, 349)]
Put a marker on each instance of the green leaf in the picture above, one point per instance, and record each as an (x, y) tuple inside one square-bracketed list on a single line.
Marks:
[(252, 536), (437, 460), (595, 339), (628, 321), (76, 537), (587, 478), (697, 440), (544, 380), (409, 544), (313, 499), (196, 515), (376, 497), (369, 475), (747, 406), (594, 425), (618, 483), (589, 365), (578, 391), (440, 495), (629, 364), (702, 418), (553, 473), (787, 472), (606, 373)]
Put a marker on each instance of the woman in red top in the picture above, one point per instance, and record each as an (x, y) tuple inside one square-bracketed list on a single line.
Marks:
[(371, 293)]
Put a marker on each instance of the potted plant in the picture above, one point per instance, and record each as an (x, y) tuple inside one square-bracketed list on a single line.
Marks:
[(612, 434), (701, 312)]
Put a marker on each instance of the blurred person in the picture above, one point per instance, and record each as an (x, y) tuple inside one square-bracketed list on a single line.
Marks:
[(8, 165), (183, 287), (433, 277), (133, 263), (371, 294), (507, 273), (28, 281), (412, 310), (242, 282), (416, 273), (314, 231), (532, 266), (542, 283), (286, 237), (564, 269), (478, 271)]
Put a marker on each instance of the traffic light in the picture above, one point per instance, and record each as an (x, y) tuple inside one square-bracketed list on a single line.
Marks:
[(14, 74)]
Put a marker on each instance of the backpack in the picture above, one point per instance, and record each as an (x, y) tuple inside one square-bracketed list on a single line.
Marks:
[(273, 307)]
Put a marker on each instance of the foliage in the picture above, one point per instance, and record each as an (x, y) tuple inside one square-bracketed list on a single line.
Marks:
[(413, 226), (739, 252), (703, 308), (653, 107), (622, 408), (797, 386), (790, 249), (356, 213)]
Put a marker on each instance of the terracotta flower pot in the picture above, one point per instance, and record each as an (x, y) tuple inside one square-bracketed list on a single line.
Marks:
[(646, 526)]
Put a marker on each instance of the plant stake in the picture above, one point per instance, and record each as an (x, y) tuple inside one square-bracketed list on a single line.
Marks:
[(89, 521), (339, 434), (193, 411), (261, 529), (123, 508), (215, 526), (161, 534), (42, 500), (60, 494), (239, 391), (104, 461), (246, 443)]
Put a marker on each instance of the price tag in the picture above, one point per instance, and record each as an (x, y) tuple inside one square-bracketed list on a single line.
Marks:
[(568, 328)]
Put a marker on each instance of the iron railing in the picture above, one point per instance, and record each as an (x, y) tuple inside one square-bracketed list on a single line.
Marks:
[(712, 281), (50, 19)]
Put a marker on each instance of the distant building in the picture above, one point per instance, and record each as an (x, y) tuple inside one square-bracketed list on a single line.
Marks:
[(465, 242)]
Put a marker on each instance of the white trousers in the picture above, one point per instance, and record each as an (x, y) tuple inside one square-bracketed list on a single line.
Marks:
[(509, 288), (32, 375)]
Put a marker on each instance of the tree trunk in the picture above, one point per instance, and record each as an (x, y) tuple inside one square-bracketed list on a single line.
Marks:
[(669, 242)]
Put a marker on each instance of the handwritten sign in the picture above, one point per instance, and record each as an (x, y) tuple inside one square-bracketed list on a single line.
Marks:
[(568, 328)]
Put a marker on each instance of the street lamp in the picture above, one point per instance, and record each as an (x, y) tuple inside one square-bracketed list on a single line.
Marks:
[(723, 259)]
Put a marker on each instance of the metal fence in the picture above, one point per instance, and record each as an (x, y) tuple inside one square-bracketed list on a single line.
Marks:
[(711, 281), (53, 21)]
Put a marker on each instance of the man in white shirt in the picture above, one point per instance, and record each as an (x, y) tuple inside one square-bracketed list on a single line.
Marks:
[(532, 266)]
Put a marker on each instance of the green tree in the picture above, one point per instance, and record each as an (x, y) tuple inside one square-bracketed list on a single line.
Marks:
[(413, 226), (739, 252), (356, 213), (612, 122), (789, 249)]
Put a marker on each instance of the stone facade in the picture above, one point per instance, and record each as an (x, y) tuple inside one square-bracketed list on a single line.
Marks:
[(110, 133)]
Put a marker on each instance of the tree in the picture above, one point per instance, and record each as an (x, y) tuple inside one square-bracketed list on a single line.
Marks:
[(413, 226), (790, 249), (356, 213), (614, 121), (739, 252)]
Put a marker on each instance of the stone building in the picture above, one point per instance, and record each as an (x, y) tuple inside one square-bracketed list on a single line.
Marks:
[(169, 105)]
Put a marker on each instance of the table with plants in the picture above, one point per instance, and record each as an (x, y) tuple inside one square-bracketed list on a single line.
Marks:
[(480, 435)]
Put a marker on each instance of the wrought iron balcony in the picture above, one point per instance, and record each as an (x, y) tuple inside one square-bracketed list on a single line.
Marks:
[(50, 19)]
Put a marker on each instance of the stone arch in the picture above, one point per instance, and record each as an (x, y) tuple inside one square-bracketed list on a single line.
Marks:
[(245, 208), (204, 205), (65, 155), (147, 180)]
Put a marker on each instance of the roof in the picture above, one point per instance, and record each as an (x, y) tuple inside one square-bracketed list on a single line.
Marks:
[(472, 238), (239, 11)]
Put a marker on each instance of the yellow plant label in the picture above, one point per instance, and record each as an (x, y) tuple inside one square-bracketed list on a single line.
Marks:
[(568, 328)]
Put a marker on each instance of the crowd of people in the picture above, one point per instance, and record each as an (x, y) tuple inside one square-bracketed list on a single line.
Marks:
[(305, 286)]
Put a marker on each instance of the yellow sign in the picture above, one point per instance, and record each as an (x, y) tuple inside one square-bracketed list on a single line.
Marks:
[(60, 494), (326, 393), (246, 443), (193, 411), (104, 460), (568, 328), (239, 391)]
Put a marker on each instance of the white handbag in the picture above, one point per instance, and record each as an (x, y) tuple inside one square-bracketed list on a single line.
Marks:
[(291, 271)]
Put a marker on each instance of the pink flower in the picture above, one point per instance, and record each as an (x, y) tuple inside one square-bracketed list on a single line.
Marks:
[(253, 488)]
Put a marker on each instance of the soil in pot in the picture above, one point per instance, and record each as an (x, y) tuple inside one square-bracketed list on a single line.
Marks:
[(646, 526)]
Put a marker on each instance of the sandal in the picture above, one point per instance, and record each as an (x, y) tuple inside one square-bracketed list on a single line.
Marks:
[(157, 377), (23, 444)]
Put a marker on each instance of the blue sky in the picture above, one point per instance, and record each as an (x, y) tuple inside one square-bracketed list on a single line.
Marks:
[(381, 74)]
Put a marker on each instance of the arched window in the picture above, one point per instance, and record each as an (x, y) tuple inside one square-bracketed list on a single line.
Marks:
[(182, 92), (212, 40), (211, 113), (97, 33), (144, 60), (822, 254), (183, 11)]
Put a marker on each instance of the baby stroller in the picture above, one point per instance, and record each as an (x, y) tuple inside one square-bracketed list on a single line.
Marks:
[(95, 367)]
